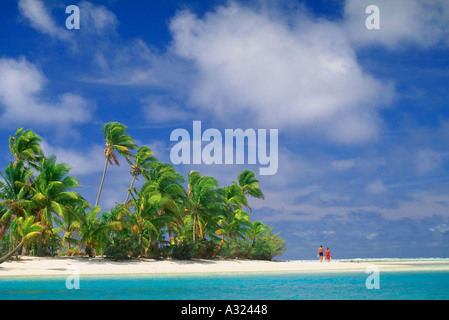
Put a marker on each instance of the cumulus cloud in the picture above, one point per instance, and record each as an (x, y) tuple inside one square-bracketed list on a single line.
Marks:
[(254, 66), (22, 101), (83, 162), (427, 161), (376, 187), (40, 19), (343, 165), (162, 109), (97, 20), (421, 23)]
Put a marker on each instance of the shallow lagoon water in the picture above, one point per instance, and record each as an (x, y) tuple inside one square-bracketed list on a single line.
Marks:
[(426, 285)]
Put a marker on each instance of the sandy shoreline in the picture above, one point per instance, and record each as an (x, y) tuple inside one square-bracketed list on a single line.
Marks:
[(33, 266)]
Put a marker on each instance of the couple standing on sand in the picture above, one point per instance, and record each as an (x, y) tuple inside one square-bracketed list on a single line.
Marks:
[(321, 253)]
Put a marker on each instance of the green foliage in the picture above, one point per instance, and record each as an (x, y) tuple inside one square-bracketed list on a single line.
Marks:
[(4, 243), (237, 248), (117, 140), (122, 247), (161, 219), (182, 250), (187, 249), (266, 247), (25, 146)]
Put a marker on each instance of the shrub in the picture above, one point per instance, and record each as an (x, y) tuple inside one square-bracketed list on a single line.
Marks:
[(122, 247), (204, 249), (187, 249), (236, 248), (181, 251), (266, 247)]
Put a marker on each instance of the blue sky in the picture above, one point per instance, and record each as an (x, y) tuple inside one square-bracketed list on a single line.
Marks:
[(362, 114)]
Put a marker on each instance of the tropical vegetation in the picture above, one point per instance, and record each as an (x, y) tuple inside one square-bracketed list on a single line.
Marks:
[(42, 214)]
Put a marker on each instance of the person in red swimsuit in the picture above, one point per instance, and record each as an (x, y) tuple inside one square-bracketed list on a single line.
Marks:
[(328, 255)]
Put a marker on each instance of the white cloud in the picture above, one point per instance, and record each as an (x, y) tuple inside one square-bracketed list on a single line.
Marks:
[(41, 20), (83, 162), (253, 67), (162, 109), (376, 187), (422, 23), (23, 103), (97, 19), (427, 161), (343, 165)]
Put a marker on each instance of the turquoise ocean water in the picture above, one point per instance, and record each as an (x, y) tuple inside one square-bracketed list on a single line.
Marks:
[(253, 286), (286, 286)]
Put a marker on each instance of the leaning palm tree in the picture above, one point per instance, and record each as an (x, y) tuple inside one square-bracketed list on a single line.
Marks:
[(164, 180), (25, 146), (232, 224), (249, 185), (13, 190), (204, 202), (142, 217), (52, 194), (142, 163), (116, 140), (26, 230)]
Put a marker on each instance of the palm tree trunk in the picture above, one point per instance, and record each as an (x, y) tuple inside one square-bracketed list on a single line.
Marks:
[(193, 234), (200, 227), (13, 252), (102, 181), (39, 246), (220, 245), (3, 228), (129, 192)]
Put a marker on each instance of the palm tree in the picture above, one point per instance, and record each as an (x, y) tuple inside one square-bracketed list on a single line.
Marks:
[(204, 201), (27, 230), (51, 194), (164, 180), (116, 140), (25, 146), (234, 197), (233, 221), (14, 189), (232, 224), (144, 217), (71, 224), (249, 185), (142, 163), (93, 232), (256, 230)]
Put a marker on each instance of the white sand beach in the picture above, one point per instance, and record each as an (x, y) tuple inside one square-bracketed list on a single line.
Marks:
[(34, 266)]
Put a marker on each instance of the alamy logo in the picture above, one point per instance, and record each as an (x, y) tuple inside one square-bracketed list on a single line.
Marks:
[(188, 151), (373, 280), (372, 22), (72, 21), (73, 280)]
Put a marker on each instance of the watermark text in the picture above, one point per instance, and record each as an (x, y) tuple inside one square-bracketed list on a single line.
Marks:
[(188, 150)]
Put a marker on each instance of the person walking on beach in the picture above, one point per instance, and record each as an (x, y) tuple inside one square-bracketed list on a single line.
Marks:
[(328, 255), (320, 253)]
